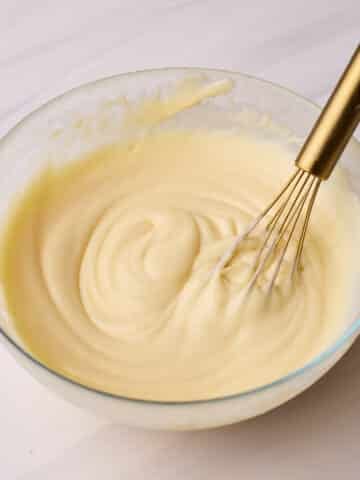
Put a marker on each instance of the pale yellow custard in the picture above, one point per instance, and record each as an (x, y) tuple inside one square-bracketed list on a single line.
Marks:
[(107, 267)]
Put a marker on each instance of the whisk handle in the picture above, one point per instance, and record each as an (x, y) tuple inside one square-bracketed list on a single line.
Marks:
[(335, 125)]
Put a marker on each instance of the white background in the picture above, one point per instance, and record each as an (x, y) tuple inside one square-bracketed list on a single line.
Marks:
[(301, 44)]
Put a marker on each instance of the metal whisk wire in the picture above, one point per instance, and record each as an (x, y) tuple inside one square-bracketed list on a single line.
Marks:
[(300, 193)]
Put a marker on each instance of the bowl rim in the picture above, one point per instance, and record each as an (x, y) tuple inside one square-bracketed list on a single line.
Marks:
[(345, 335)]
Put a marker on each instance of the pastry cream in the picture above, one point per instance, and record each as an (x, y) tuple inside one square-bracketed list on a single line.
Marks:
[(108, 265)]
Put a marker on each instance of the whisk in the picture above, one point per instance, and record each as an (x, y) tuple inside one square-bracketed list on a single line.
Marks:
[(287, 217)]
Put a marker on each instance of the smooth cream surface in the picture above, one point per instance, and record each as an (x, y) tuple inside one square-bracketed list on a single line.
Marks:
[(108, 264)]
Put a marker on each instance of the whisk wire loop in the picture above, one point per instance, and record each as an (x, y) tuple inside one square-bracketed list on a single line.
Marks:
[(297, 195)]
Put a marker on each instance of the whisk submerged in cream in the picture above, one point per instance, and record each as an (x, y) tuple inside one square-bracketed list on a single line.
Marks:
[(108, 268)]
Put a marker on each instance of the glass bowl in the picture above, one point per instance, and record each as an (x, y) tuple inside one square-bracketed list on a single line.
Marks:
[(87, 117)]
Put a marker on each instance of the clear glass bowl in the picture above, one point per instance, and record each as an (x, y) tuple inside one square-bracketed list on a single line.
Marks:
[(88, 116)]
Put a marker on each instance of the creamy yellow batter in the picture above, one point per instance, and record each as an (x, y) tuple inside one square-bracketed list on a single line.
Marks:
[(107, 267)]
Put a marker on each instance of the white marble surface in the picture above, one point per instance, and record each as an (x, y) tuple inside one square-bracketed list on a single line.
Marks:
[(301, 44)]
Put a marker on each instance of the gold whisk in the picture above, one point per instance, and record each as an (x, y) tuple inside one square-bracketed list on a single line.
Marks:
[(291, 208)]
